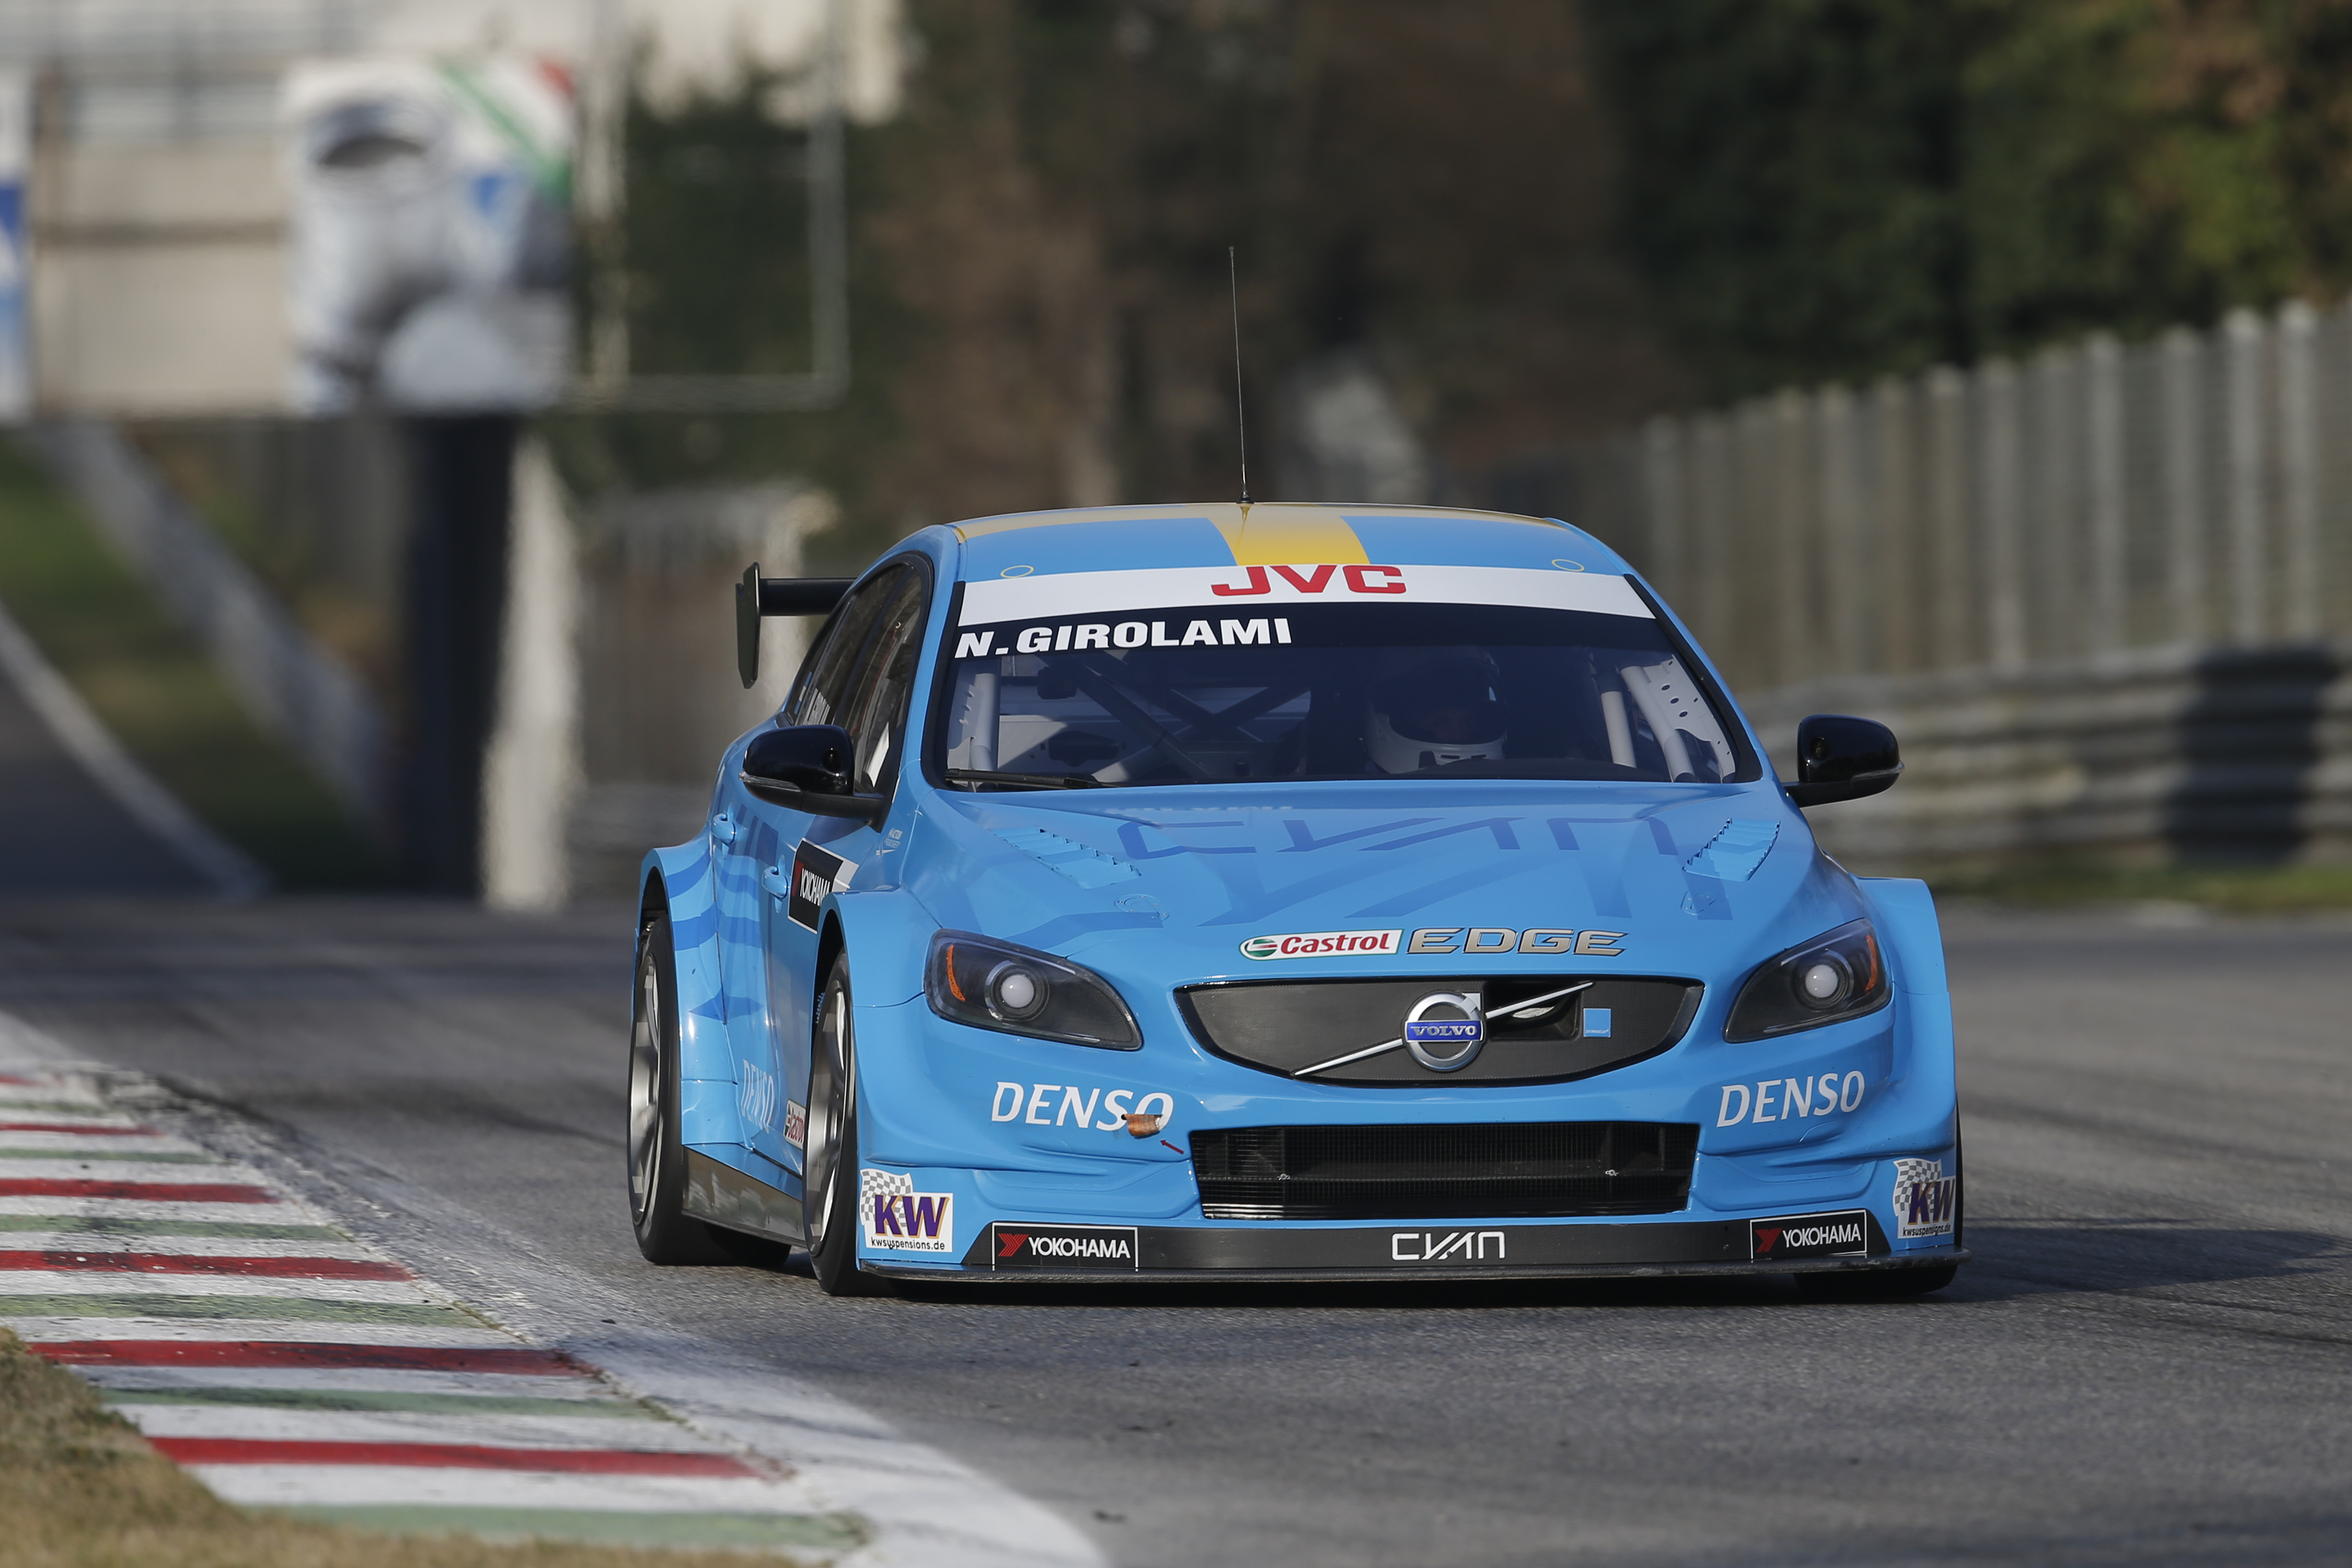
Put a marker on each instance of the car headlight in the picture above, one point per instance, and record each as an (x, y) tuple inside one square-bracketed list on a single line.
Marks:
[(1838, 974), (992, 984)]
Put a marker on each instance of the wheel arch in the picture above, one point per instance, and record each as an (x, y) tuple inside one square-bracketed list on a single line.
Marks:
[(682, 883)]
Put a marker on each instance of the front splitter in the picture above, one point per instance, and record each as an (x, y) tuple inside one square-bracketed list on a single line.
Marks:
[(1940, 1255), (1075, 1253)]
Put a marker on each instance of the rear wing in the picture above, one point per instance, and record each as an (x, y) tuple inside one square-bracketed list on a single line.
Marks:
[(756, 596)]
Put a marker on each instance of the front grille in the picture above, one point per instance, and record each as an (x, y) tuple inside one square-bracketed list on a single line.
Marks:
[(1288, 1027), (1535, 1168)]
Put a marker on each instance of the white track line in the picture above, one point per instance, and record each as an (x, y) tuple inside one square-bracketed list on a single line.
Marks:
[(90, 1243), (47, 1205), (262, 1423), (264, 1380), (284, 1486), (460, 1334), (124, 1282)]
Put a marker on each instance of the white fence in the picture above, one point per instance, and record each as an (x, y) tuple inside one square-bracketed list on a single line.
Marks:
[(2039, 569), (2194, 489)]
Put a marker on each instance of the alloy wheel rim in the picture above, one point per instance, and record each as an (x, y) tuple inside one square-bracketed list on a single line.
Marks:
[(644, 1092), (825, 1113)]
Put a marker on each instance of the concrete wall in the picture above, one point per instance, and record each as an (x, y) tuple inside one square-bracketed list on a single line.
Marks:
[(161, 278)]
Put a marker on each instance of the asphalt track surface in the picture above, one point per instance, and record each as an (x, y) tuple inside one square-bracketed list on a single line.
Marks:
[(2150, 1362)]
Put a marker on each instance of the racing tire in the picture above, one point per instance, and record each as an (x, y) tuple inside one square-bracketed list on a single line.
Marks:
[(1896, 1284), (666, 1233), (831, 1167)]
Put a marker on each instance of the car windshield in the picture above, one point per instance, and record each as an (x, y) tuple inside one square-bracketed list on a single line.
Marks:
[(1198, 693)]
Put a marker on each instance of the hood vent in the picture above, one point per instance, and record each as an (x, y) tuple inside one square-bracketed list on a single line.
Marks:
[(1086, 868), (1733, 854)]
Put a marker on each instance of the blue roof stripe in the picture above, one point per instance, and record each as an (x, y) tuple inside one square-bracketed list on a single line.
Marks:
[(1099, 546), (1476, 541)]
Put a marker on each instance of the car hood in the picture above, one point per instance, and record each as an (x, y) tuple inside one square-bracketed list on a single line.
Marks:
[(1169, 884)]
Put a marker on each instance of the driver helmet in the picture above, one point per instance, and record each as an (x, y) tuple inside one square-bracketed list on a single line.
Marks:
[(1430, 707)]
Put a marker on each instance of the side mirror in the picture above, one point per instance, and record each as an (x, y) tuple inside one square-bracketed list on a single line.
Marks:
[(807, 768), (1842, 758)]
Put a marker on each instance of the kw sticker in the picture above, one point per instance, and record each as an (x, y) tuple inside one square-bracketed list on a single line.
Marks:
[(898, 1218), (1923, 1198)]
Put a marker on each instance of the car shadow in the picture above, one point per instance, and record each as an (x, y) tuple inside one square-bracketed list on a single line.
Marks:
[(2031, 1258)]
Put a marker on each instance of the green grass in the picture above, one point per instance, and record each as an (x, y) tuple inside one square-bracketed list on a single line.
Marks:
[(80, 1489), (2237, 889), (155, 688)]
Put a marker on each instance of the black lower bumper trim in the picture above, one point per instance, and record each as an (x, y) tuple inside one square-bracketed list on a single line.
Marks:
[(1937, 1257), (1395, 1250)]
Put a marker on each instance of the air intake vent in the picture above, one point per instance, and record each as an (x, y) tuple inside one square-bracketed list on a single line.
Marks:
[(1529, 1169)]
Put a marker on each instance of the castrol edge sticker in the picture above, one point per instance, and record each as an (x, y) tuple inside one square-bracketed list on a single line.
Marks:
[(996, 600), (1322, 944)]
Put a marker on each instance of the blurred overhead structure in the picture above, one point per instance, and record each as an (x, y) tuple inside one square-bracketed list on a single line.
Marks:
[(237, 210), (159, 197)]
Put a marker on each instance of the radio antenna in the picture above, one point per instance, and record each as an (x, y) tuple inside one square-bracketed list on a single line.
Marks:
[(1240, 419)]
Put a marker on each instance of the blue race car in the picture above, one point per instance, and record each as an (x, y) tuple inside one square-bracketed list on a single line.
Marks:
[(1282, 892)]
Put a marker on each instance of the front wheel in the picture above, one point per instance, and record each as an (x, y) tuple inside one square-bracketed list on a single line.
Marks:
[(831, 1168)]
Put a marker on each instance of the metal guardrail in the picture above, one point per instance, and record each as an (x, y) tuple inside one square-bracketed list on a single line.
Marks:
[(2176, 752)]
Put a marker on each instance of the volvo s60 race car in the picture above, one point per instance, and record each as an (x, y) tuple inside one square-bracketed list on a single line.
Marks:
[(1273, 891)]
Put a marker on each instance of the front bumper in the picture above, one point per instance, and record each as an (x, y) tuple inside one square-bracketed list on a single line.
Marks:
[(1096, 1254), (1203, 1257), (982, 1134)]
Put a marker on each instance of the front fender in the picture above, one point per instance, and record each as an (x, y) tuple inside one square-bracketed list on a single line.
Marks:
[(887, 934), (1926, 1076), (685, 878)]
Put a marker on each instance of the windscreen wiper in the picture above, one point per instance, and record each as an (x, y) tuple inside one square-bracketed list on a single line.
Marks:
[(1022, 781)]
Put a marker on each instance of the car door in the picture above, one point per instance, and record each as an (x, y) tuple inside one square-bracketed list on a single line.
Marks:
[(860, 681), (759, 836)]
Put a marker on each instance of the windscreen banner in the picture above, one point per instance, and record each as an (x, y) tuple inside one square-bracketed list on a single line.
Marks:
[(16, 165), (430, 233)]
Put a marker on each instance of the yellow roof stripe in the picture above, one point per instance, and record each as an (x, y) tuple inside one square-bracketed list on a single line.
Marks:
[(1271, 535), (1263, 533)]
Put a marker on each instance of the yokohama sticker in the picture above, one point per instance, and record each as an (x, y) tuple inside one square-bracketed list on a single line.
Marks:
[(898, 1218), (1322, 943), (1923, 1198), (1845, 1235), (1062, 1247), (816, 874)]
